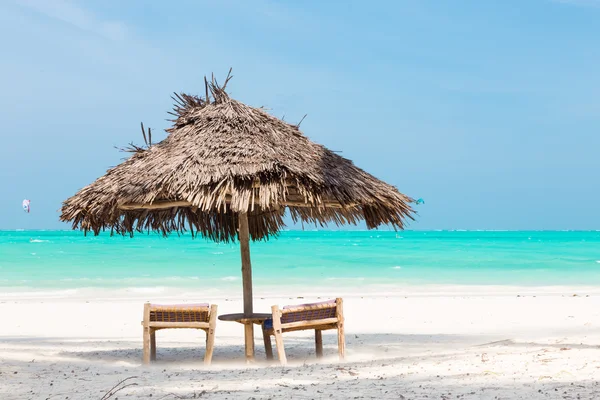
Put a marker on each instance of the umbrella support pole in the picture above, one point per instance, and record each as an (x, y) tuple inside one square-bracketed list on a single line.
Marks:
[(244, 238)]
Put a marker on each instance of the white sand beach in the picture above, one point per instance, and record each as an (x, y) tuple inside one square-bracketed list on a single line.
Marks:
[(426, 343)]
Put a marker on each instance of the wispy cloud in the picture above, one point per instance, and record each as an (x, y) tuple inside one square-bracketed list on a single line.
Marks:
[(71, 13)]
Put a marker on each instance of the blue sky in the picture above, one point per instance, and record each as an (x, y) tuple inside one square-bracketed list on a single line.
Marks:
[(488, 110)]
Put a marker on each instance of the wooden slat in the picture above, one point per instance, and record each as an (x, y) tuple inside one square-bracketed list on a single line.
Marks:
[(161, 205), (314, 322), (304, 328), (302, 307), (322, 205), (194, 325)]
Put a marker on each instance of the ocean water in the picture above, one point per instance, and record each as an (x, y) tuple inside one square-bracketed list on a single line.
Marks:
[(59, 260)]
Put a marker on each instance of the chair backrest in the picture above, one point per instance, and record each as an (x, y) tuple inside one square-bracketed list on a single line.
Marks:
[(180, 313), (310, 312)]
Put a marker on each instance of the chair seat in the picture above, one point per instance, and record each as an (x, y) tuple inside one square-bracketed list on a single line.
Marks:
[(175, 316), (319, 317)]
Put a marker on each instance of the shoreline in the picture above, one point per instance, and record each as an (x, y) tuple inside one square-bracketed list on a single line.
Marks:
[(20, 294)]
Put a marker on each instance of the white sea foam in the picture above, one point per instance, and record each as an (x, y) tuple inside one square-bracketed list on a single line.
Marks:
[(38, 241), (229, 278), (598, 261), (397, 267), (83, 279), (55, 294), (345, 279), (157, 289), (218, 252)]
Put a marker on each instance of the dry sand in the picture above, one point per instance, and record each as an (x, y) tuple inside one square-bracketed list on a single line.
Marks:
[(423, 343)]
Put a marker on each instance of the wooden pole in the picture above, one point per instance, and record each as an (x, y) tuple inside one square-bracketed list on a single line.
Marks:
[(244, 238)]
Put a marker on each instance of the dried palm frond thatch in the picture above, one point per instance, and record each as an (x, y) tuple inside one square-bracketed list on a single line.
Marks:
[(222, 158)]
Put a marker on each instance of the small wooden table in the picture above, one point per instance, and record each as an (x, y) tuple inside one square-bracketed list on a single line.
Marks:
[(248, 320)]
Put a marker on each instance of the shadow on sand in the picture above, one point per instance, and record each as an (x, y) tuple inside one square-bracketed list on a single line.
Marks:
[(378, 366)]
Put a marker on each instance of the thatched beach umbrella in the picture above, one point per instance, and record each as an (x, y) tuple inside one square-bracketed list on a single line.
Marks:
[(229, 171)]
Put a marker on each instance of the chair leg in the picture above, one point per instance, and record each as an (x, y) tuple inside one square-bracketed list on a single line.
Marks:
[(210, 335), (341, 340), (152, 345), (277, 333), (146, 335), (339, 313), (318, 343), (280, 348), (146, 339), (268, 347), (210, 346)]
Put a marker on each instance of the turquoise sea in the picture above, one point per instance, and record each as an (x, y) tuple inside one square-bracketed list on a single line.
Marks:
[(32, 260), (43, 260)]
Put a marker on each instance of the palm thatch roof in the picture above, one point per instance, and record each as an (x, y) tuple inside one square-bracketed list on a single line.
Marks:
[(222, 157)]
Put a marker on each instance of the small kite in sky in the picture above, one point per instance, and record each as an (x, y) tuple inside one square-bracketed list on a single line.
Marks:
[(26, 207)]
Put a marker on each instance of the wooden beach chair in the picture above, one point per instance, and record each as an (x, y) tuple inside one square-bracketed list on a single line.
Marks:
[(318, 316), (178, 316)]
